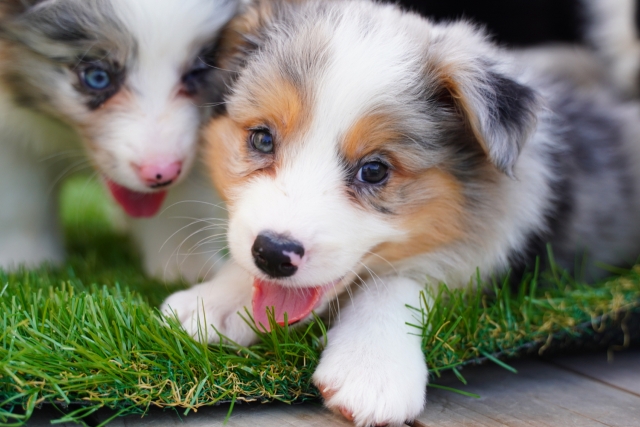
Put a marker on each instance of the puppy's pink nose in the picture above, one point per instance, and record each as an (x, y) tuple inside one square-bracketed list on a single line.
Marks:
[(157, 175)]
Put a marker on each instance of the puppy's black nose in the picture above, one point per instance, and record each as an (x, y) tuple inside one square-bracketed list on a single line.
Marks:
[(277, 255)]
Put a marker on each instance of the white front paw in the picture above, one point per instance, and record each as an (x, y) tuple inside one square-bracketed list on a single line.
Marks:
[(373, 388), (207, 310)]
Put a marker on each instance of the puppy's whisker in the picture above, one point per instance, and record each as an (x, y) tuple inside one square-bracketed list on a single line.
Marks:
[(217, 68), (212, 221), (350, 293), (371, 274), (178, 251), (375, 276), (211, 104), (63, 155), (203, 252), (68, 171), (216, 240), (215, 263), (215, 205), (335, 300), (84, 55), (93, 177), (204, 241), (195, 221), (385, 260), (360, 282)]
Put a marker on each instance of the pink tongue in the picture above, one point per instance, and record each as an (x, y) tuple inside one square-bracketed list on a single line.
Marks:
[(296, 302), (137, 205)]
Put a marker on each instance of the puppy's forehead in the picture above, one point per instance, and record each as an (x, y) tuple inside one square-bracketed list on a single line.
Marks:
[(123, 31), (172, 27), (345, 62), (372, 67)]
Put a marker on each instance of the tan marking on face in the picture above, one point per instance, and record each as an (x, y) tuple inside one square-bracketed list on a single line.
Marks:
[(369, 134), (277, 104), (225, 154), (430, 220)]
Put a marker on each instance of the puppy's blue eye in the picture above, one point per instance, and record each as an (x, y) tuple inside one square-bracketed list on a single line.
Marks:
[(96, 78), (373, 173), (262, 140)]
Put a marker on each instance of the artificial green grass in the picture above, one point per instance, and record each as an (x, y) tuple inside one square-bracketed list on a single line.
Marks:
[(89, 333)]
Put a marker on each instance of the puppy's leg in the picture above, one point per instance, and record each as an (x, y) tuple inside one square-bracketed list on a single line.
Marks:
[(215, 305), (29, 232), (373, 369), (186, 238)]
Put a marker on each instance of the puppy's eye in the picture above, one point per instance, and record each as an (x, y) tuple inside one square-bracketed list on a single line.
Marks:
[(262, 140), (96, 78), (373, 173)]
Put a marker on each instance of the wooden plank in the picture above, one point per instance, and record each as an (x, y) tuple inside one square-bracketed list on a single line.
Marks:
[(539, 395), (309, 415), (444, 412), (272, 415), (623, 371)]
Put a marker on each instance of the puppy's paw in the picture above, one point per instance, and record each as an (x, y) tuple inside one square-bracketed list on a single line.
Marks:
[(207, 310), (372, 388)]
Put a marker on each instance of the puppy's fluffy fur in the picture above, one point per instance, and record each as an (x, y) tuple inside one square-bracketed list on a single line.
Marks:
[(487, 163), (612, 28), (156, 54)]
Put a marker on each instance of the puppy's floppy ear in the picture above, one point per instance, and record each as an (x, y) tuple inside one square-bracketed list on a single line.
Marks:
[(501, 113)]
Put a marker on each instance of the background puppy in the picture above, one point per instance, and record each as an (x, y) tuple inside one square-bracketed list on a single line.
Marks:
[(366, 147), (123, 80), (613, 29)]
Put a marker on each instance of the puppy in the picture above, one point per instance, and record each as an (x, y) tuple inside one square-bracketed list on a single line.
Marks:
[(612, 29), (367, 147), (121, 81)]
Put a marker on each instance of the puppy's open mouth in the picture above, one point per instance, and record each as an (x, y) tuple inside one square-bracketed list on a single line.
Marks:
[(137, 205), (297, 303)]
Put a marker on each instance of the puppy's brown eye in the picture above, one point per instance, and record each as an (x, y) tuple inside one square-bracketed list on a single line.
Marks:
[(373, 173), (262, 141)]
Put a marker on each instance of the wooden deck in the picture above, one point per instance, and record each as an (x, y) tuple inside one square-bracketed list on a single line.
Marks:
[(577, 391)]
